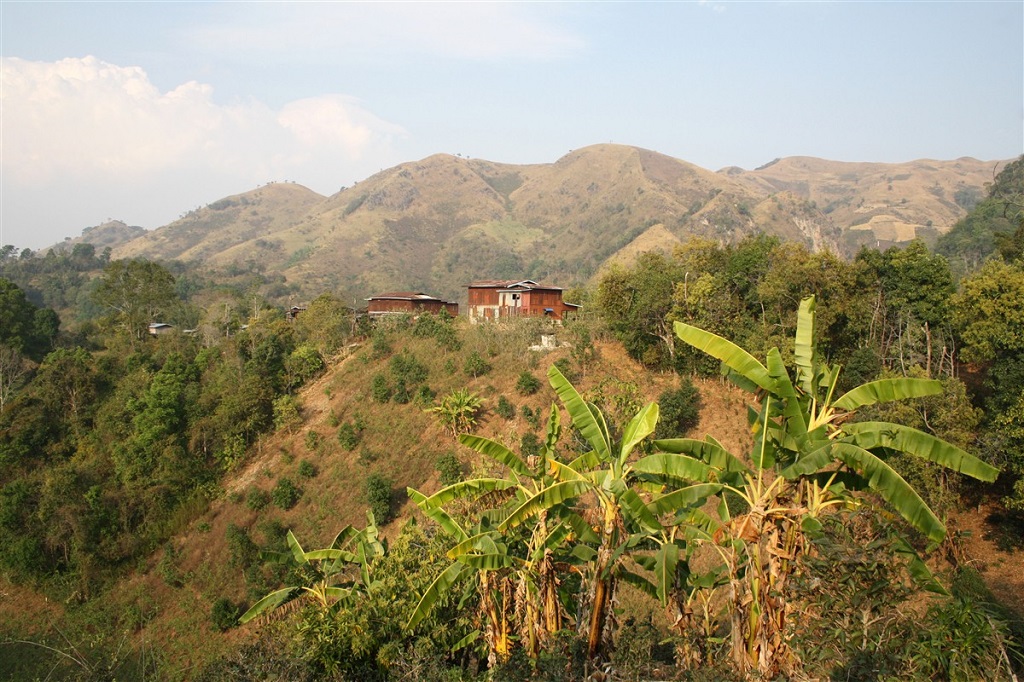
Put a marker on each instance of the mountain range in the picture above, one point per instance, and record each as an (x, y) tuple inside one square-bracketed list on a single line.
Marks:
[(435, 224)]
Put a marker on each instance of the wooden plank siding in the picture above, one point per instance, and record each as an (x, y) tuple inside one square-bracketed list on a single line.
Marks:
[(494, 300)]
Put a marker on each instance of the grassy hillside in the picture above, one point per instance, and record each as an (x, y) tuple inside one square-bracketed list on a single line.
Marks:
[(157, 619), (161, 610), (438, 223)]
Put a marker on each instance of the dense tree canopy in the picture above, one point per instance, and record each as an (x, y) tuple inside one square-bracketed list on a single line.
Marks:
[(136, 293), (26, 328)]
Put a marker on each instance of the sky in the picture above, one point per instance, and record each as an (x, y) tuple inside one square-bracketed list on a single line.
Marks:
[(143, 111)]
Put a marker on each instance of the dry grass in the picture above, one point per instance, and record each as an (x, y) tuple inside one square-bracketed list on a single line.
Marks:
[(407, 442), (409, 226), (1001, 568)]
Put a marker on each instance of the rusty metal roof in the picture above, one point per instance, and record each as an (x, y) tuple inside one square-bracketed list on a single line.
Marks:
[(405, 296)]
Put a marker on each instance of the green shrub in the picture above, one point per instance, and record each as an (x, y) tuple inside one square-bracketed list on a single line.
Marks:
[(408, 373), (447, 338), (377, 493), (438, 327), (505, 409), (242, 551), (532, 417), (224, 614), (449, 366), (527, 384), (530, 445), (405, 368), (380, 389), (285, 494), (380, 348), (424, 396), (303, 364), (307, 469), (450, 469), (475, 365), (168, 566), (568, 371), (678, 411), (862, 365), (401, 394), (349, 435), (960, 639), (257, 499), (286, 413), (313, 441)]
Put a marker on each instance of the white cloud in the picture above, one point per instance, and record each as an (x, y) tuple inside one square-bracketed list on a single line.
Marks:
[(84, 116), (98, 125), (335, 121), (460, 30)]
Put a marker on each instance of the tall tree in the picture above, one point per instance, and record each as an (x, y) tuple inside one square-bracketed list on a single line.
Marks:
[(12, 369), (26, 328), (638, 303), (136, 293)]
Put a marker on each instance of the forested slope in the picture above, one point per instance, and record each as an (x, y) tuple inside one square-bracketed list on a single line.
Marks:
[(154, 488)]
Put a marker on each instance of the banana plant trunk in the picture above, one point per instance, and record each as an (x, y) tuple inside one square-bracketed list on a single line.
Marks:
[(759, 612), (549, 594), (603, 587), (496, 631)]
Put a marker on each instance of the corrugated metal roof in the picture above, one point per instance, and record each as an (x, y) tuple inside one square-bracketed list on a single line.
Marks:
[(511, 284), (405, 296)]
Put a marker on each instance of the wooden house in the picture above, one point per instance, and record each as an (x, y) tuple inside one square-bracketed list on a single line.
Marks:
[(159, 328), (497, 299), (408, 303)]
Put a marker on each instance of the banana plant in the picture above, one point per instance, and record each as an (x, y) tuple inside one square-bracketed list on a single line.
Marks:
[(604, 483), (524, 558), (808, 457), (479, 557), (336, 574), (539, 609), (808, 429)]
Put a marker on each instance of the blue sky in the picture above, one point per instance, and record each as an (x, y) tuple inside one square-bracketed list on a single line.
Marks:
[(142, 111)]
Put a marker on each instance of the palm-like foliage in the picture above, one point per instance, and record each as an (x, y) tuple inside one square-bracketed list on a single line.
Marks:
[(543, 521), (608, 481), (334, 575), (514, 572), (457, 411), (478, 556), (808, 455)]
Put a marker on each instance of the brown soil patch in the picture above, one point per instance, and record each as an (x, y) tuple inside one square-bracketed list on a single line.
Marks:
[(23, 610), (1002, 569)]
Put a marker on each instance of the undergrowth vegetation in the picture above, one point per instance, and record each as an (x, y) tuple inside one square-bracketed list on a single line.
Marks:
[(630, 516)]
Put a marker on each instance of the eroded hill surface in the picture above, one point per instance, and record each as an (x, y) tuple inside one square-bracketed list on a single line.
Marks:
[(440, 222)]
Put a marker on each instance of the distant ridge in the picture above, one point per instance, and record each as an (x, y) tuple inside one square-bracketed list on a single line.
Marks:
[(110, 234), (442, 221)]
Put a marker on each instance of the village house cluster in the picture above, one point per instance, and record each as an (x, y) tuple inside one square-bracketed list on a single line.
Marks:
[(488, 300)]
